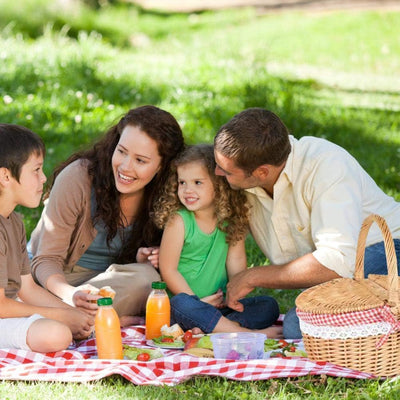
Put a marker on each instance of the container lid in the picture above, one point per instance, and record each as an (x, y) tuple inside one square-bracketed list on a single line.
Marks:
[(159, 285), (238, 337), (104, 301)]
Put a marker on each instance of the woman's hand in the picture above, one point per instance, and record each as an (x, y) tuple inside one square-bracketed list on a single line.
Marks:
[(148, 255), (85, 301), (216, 299)]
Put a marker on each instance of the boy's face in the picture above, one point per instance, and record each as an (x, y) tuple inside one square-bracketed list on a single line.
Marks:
[(28, 191)]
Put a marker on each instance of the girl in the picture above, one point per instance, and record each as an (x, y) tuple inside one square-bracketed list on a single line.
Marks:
[(203, 244), (95, 228)]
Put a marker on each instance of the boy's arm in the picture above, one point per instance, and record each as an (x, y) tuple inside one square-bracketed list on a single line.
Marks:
[(170, 252), (32, 293), (36, 300)]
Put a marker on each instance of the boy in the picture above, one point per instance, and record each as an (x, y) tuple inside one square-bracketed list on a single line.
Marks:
[(31, 318)]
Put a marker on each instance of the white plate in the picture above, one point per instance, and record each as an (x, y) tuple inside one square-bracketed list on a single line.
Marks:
[(169, 346)]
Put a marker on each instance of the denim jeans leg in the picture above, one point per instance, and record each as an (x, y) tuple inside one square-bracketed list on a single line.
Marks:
[(189, 312), (291, 325), (259, 312), (375, 258)]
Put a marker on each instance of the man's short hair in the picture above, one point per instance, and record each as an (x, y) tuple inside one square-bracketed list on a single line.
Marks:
[(252, 138)]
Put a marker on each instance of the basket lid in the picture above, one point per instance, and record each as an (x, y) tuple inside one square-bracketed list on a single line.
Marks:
[(347, 295), (338, 296)]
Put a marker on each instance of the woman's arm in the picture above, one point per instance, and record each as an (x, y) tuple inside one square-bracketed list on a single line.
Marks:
[(170, 252), (59, 233)]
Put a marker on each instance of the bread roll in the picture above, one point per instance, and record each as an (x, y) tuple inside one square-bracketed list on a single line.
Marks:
[(107, 291), (175, 331)]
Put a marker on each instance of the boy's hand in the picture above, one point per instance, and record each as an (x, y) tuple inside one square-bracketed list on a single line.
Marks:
[(80, 323), (148, 255)]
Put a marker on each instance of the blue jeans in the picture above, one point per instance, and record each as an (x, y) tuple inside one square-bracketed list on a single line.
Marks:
[(374, 263), (189, 312)]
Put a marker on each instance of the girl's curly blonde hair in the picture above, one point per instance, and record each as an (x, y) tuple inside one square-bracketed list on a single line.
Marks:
[(231, 207)]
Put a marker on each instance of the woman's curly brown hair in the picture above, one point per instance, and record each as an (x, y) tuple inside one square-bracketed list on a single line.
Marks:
[(231, 207), (163, 128)]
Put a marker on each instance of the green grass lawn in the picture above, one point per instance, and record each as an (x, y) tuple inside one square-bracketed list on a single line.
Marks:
[(68, 72)]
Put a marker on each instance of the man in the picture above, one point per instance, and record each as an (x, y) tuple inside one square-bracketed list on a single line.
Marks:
[(308, 200)]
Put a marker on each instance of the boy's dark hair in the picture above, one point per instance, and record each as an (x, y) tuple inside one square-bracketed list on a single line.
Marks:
[(17, 144), (252, 138)]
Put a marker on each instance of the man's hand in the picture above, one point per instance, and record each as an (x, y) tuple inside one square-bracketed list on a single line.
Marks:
[(238, 287), (148, 255), (303, 272)]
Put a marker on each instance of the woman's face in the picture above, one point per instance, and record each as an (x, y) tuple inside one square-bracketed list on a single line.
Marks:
[(135, 160)]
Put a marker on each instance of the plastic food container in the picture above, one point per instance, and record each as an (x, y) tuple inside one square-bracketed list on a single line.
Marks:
[(238, 346)]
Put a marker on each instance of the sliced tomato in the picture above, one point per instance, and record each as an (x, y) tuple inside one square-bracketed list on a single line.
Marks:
[(187, 336), (283, 343), (167, 340), (143, 357)]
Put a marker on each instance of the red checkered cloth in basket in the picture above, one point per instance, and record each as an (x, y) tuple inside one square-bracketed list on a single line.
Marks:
[(375, 315), (354, 318), (78, 364)]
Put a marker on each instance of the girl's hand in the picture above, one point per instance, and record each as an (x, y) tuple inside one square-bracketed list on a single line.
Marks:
[(216, 299), (148, 255)]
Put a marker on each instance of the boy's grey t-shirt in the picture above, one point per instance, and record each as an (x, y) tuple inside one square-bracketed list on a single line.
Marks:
[(14, 260)]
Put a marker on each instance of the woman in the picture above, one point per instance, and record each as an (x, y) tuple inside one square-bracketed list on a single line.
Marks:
[(97, 214)]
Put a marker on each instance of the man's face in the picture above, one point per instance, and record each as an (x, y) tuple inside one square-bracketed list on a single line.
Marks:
[(236, 177)]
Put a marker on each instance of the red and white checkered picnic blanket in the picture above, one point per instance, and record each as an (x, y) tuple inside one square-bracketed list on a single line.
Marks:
[(78, 364)]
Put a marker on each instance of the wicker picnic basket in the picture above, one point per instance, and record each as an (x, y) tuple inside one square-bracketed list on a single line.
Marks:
[(355, 322)]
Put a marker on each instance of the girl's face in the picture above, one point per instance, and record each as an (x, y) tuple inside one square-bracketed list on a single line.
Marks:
[(28, 191), (135, 160), (195, 187)]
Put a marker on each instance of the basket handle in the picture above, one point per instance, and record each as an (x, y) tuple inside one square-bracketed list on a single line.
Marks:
[(391, 259)]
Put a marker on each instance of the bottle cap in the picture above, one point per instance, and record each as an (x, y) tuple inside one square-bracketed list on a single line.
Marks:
[(104, 301), (159, 285)]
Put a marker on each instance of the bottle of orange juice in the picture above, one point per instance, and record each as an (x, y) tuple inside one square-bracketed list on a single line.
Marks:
[(158, 310), (108, 330)]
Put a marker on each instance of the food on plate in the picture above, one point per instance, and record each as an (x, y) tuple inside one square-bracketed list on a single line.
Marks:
[(171, 336), (168, 341), (136, 353), (272, 344), (143, 357), (283, 348), (295, 353), (199, 346), (187, 336), (174, 331)]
